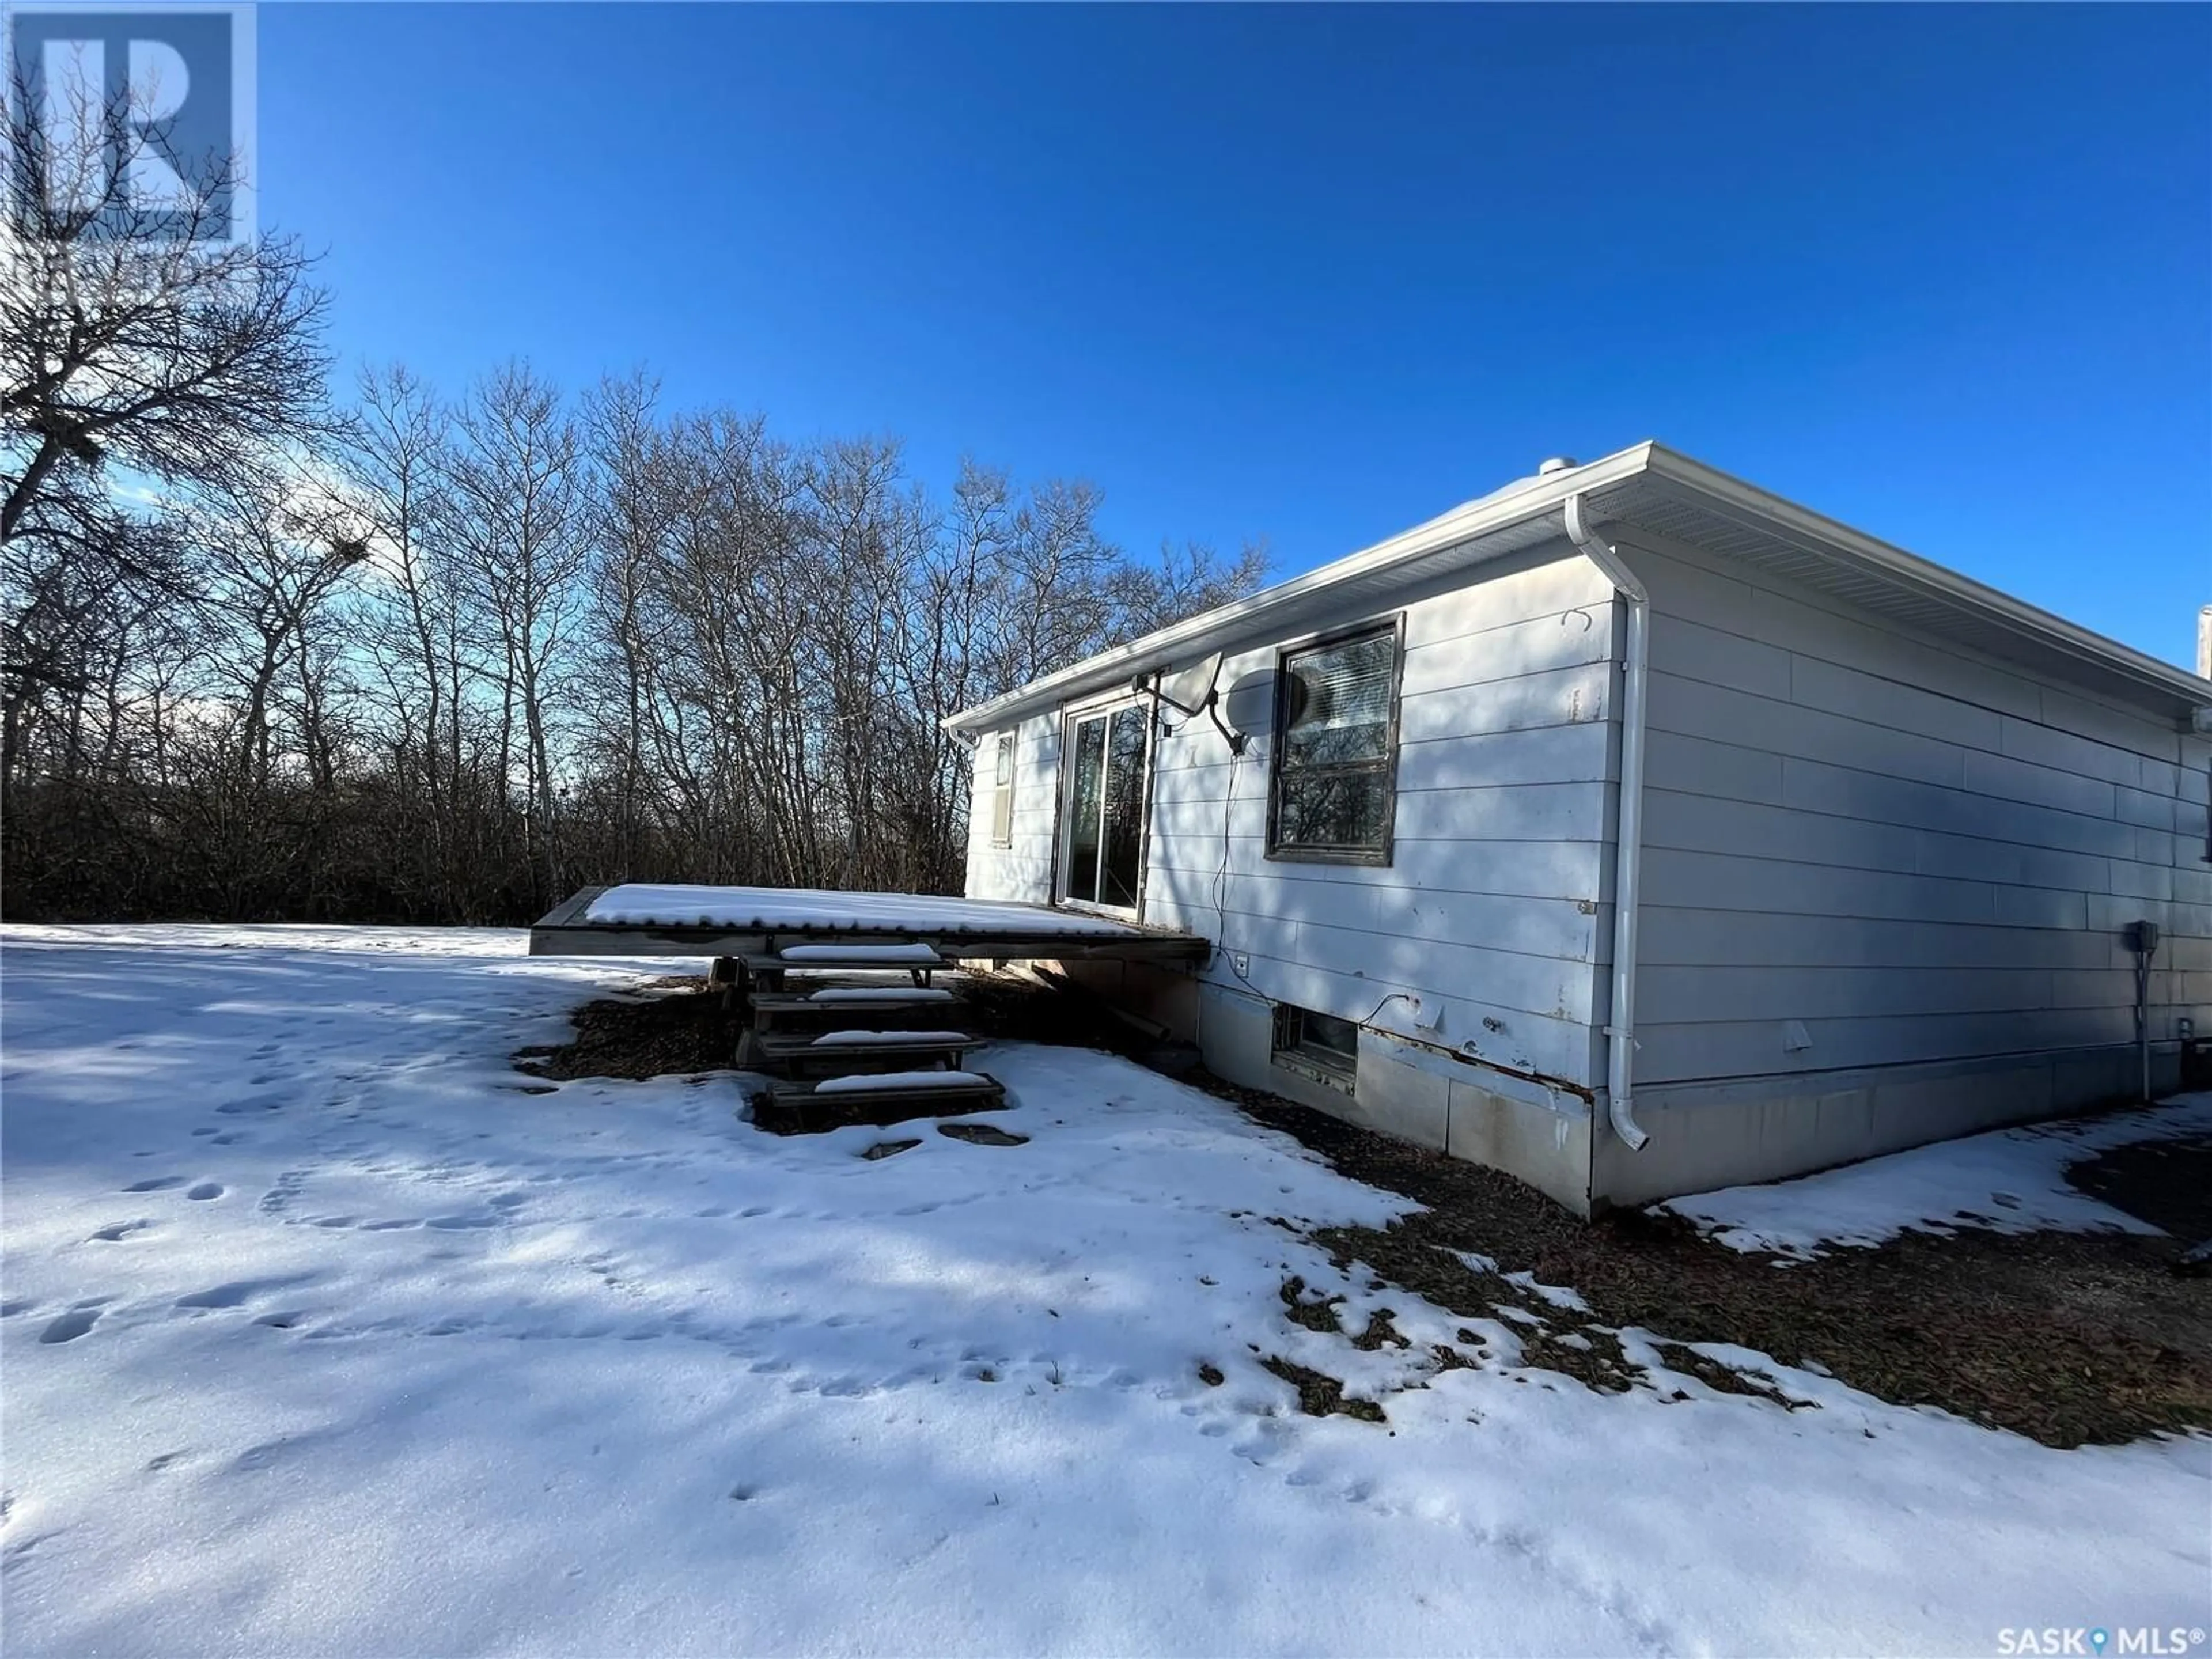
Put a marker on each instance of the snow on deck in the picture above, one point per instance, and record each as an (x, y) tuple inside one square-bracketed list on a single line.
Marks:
[(641, 904), (2011, 1181), (327, 1332)]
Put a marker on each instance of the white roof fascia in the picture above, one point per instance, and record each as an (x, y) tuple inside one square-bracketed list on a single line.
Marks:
[(1832, 539), (1197, 635), (1668, 470)]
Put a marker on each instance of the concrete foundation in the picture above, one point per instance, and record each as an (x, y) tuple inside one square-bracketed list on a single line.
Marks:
[(1539, 1134), (1726, 1134), (1702, 1135)]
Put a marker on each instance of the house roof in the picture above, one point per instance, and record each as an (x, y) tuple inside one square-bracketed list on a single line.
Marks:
[(1657, 490)]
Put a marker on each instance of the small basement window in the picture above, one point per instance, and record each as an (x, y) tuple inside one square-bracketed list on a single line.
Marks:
[(1002, 791), (1317, 1045)]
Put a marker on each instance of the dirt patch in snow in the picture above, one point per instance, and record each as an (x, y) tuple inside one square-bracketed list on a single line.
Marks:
[(982, 1134), (668, 1027), (1321, 1395), (2069, 1339), (2167, 1183)]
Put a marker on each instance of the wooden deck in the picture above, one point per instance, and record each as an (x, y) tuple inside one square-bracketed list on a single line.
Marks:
[(976, 931)]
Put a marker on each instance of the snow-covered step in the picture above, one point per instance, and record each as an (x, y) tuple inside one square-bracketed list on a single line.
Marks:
[(907, 958), (894, 1082), (868, 995), (876, 1098), (850, 1007), (855, 1005), (914, 955), (877, 1048)]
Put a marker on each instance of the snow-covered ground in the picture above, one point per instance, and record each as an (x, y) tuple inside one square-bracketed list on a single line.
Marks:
[(2011, 1181), (327, 1333)]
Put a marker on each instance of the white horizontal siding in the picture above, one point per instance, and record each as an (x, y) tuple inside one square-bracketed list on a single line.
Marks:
[(1756, 1048), (1893, 848), (1494, 909), (1023, 871)]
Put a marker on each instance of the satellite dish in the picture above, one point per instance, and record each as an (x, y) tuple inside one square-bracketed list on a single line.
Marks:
[(1249, 707)]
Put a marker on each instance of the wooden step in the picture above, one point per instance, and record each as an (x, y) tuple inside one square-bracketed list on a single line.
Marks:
[(879, 1007), (888, 1097), (857, 998), (847, 1045), (802, 1055)]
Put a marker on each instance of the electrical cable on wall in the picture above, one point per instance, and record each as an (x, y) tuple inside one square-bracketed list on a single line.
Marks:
[(1406, 997), (1221, 881)]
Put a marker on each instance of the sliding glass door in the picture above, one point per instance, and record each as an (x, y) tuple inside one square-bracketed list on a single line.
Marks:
[(1102, 824)]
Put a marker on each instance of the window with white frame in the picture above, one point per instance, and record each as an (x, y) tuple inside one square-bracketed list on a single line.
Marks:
[(1334, 769), (1002, 790)]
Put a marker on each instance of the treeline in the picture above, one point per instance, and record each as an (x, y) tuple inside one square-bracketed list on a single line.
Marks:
[(420, 656)]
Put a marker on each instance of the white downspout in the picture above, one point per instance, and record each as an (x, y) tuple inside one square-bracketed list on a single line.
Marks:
[(1628, 830)]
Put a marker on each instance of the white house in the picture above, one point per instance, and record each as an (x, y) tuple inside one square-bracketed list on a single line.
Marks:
[(1634, 830)]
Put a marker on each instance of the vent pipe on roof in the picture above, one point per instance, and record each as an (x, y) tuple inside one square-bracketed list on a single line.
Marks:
[(1628, 825), (1557, 464)]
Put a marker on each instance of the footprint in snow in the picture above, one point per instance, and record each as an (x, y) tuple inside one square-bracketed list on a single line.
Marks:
[(157, 1183), (222, 1295), (120, 1230), (70, 1325), (206, 1190)]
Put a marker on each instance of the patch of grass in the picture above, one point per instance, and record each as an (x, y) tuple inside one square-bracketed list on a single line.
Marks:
[(1381, 1333), (1321, 1395), (2070, 1339), (1727, 1379), (1313, 1314), (982, 1134), (670, 1027), (2167, 1183)]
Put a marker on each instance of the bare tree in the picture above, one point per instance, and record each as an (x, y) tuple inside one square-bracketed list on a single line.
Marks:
[(133, 351), (455, 657), (517, 482)]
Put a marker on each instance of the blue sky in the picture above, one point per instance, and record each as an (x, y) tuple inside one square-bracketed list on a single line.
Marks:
[(1316, 274)]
